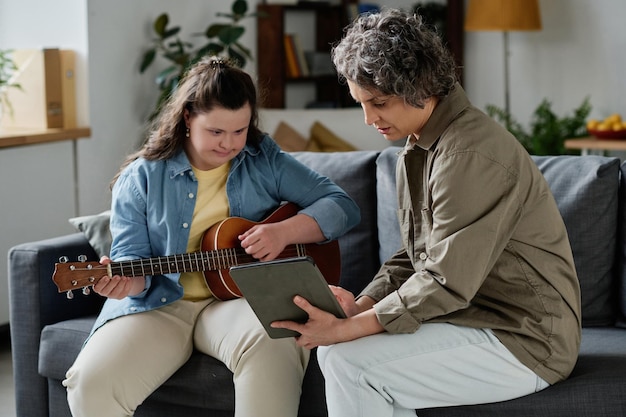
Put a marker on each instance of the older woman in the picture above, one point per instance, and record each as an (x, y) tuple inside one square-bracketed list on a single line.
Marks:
[(482, 304)]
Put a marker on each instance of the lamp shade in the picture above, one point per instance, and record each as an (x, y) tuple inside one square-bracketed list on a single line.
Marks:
[(503, 15)]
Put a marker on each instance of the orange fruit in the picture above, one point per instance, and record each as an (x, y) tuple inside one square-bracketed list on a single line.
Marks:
[(614, 118), (592, 124), (603, 127)]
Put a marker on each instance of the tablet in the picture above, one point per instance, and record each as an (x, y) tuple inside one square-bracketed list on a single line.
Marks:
[(270, 287)]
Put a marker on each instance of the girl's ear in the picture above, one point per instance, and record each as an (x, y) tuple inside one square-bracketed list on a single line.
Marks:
[(186, 117)]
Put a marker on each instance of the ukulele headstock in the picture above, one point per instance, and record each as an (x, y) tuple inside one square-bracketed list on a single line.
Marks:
[(70, 276)]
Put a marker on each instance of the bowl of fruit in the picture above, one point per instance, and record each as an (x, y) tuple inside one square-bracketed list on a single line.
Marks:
[(611, 127)]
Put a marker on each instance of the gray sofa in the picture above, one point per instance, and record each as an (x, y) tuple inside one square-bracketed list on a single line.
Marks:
[(47, 329)]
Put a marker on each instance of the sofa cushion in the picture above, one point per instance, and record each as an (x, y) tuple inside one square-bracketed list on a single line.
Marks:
[(621, 272), (324, 140), (96, 230), (586, 192), (288, 138), (355, 172), (387, 200)]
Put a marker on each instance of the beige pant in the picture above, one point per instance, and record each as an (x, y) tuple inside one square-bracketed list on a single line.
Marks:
[(130, 357)]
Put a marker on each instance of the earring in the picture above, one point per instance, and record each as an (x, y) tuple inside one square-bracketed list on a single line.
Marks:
[(187, 133)]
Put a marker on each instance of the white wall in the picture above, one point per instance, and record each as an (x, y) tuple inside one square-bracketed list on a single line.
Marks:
[(580, 52)]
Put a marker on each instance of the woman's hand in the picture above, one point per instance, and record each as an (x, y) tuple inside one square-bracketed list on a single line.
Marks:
[(117, 286), (323, 329)]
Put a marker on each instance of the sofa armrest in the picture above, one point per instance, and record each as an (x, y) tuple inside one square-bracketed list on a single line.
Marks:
[(34, 302)]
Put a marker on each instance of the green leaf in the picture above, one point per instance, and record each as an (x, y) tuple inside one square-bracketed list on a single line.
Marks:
[(215, 29), (160, 24), (148, 58), (170, 32), (240, 7), (230, 34), (212, 49)]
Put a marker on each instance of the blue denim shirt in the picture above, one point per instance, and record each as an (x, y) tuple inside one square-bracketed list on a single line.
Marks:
[(153, 204)]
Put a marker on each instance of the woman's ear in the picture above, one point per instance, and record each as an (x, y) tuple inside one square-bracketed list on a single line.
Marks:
[(186, 117)]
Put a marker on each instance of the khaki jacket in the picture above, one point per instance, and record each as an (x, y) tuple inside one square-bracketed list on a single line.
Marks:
[(485, 244)]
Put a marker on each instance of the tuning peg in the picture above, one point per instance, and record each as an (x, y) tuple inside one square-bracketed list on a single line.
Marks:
[(69, 294), (86, 291), (82, 258), (63, 259)]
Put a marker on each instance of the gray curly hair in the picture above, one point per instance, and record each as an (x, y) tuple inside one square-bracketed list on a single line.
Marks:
[(395, 53)]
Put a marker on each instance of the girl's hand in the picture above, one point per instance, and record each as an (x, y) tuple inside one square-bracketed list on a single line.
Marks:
[(117, 286), (263, 241)]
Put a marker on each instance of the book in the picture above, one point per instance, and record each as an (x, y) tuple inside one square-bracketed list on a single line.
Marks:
[(302, 64), (291, 60), (48, 95)]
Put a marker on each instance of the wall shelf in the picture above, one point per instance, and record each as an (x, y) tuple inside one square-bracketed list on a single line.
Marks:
[(11, 137)]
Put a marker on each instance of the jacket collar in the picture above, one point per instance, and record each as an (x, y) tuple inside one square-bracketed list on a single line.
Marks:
[(447, 110)]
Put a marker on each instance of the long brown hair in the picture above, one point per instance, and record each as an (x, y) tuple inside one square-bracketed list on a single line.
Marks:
[(211, 82)]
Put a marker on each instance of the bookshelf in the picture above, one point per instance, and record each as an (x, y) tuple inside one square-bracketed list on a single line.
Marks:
[(330, 20)]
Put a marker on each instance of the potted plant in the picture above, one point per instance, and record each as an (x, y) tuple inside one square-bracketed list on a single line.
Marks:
[(222, 39), (548, 131), (7, 68)]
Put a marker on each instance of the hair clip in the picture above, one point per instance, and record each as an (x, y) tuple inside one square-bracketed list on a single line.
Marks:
[(218, 63)]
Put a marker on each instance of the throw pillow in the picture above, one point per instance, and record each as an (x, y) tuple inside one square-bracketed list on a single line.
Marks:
[(324, 140), (387, 203), (586, 192), (288, 139), (96, 230)]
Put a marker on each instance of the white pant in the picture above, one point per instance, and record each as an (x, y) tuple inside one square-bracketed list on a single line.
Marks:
[(387, 375), (131, 356)]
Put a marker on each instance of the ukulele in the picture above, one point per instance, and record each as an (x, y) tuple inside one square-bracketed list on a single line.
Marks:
[(220, 249)]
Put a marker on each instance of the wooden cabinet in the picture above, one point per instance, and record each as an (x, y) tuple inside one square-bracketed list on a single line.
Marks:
[(330, 21)]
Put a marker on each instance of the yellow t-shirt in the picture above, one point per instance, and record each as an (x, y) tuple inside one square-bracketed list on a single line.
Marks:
[(211, 207)]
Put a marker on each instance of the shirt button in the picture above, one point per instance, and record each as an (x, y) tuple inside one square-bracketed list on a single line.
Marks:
[(163, 299), (133, 309), (190, 195), (185, 225), (423, 256)]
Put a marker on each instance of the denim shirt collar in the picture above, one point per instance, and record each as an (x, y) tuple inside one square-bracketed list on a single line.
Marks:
[(179, 164)]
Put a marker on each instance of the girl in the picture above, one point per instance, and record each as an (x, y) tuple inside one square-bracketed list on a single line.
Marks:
[(205, 160)]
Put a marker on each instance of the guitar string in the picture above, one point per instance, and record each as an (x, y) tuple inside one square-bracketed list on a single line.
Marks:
[(218, 259)]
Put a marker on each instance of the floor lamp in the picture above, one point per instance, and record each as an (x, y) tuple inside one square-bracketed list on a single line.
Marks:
[(505, 16)]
